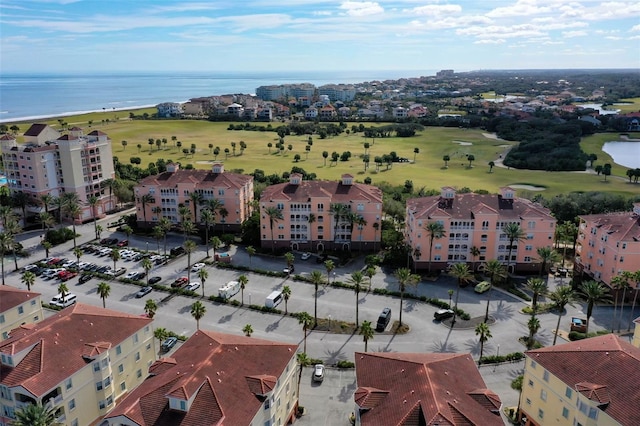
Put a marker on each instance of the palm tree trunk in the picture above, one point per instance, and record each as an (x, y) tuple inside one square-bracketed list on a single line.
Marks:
[(357, 297), (455, 309), (481, 350), (555, 335), (633, 307), (401, 300), (624, 294), (486, 313), (315, 307), (615, 308)]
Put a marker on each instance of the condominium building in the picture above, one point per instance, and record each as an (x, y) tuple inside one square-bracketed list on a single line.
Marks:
[(607, 245), (162, 195), (587, 382), (18, 307), (422, 389), (319, 215), (80, 361), (216, 379), (338, 92), (49, 162), (477, 220), (285, 91)]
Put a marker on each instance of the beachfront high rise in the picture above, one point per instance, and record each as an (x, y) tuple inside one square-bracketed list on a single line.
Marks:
[(49, 162)]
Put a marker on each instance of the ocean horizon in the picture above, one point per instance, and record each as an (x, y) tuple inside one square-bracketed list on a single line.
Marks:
[(37, 96)]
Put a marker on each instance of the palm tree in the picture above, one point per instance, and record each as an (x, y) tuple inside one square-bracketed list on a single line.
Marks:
[(594, 292), (329, 266), (495, 271), (99, 230), (73, 209), (63, 290), (47, 200), (286, 293), (147, 265), (189, 246), (197, 312), (103, 291), (28, 279), (243, 280), (405, 278), (251, 251), (6, 240), (534, 325), (165, 225), (215, 244), (47, 221), (436, 231), (196, 198), (338, 211), (357, 277), (158, 232), (366, 331), (514, 233), (275, 215), (92, 201), (305, 320), (207, 218), (538, 287), (46, 245), (561, 297), (160, 333), (35, 415), (144, 200), (482, 330), (115, 256), (311, 219), (316, 279), (150, 308), (203, 275), (620, 282), (547, 257), (450, 293), (12, 229), (289, 258), (247, 330), (460, 271), (188, 228), (474, 252), (303, 360), (369, 273)]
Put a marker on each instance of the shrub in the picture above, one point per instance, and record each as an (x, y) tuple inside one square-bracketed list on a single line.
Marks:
[(575, 335), (345, 364), (495, 359), (59, 236)]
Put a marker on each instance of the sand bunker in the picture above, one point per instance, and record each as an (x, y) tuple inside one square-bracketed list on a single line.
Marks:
[(528, 187), (462, 143)]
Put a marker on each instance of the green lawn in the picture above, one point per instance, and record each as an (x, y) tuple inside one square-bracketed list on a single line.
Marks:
[(427, 171)]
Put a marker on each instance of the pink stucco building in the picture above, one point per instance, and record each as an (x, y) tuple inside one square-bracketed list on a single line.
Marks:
[(49, 162), (608, 244), (476, 220), (177, 187), (320, 215)]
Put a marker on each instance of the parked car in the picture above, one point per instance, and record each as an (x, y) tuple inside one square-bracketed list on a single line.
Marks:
[(123, 243), (84, 278), (169, 343), (179, 282), (131, 276), (579, 325), (289, 270), (322, 259), (176, 251), (69, 264), (154, 280), (441, 314), (482, 287), (66, 275), (119, 271), (318, 373), (383, 319), (193, 286), (305, 256), (29, 268), (143, 292), (196, 267)]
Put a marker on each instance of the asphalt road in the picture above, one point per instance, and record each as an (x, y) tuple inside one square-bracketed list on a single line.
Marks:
[(425, 335)]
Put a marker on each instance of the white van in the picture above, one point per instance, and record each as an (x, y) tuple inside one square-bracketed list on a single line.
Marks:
[(273, 299), (68, 300), (229, 290)]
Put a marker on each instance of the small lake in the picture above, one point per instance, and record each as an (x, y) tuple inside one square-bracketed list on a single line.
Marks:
[(624, 153)]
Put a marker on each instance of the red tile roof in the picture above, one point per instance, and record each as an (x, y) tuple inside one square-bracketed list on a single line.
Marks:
[(57, 346), (200, 178), (465, 206), (335, 190), (225, 375), (605, 369), (621, 226), (11, 297), (423, 389)]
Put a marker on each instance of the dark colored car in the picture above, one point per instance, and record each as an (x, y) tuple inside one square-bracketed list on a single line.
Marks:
[(322, 259), (441, 314), (383, 319), (176, 251), (179, 282), (140, 275), (154, 280), (169, 343), (289, 271), (84, 278)]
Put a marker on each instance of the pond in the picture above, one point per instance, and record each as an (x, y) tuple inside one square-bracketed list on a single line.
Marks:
[(624, 153)]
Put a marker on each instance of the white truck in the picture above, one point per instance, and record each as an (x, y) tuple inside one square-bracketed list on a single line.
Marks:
[(229, 290)]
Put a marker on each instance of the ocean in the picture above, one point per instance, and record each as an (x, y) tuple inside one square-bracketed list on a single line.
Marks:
[(28, 97)]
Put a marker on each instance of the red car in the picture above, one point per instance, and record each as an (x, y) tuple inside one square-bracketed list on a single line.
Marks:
[(123, 243), (179, 282), (66, 275)]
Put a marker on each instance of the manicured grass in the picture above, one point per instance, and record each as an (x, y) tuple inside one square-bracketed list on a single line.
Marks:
[(630, 105), (427, 171)]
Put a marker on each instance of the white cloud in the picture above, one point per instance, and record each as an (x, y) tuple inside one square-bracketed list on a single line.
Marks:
[(571, 34), (450, 22), (521, 8), (635, 28), (490, 41), (436, 9), (361, 8)]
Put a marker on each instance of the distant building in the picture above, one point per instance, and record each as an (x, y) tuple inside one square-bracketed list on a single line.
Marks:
[(164, 193), (309, 218), (216, 379), (169, 109), (338, 92), (18, 307), (422, 389), (477, 220), (285, 91), (52, 163), (586, 382), (81, 361), (444, 73)]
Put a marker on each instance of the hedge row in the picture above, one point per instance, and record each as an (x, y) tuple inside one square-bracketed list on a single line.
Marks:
[(496, 359)]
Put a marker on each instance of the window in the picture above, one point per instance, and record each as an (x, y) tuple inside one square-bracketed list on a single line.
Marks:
[(540, 413), (183, 405), (568, 392), (123, 386), (1, 319), (528, 401), (121, 368), (565, 412), (20, 310), (118, 350), (543, 395), (267, 404), (139, 374), (533, 364), (530, 382), (99, 386), (72, 404), (101, 405), (68, 384), (135, 338), (74, 422), (545, 376), (593, 413), (96, 366), (137, 356)]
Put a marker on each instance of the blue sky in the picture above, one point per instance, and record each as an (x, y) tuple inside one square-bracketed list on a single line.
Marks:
[(316, 35)]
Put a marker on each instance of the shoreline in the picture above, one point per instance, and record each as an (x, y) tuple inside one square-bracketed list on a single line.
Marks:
[(73, 113)]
